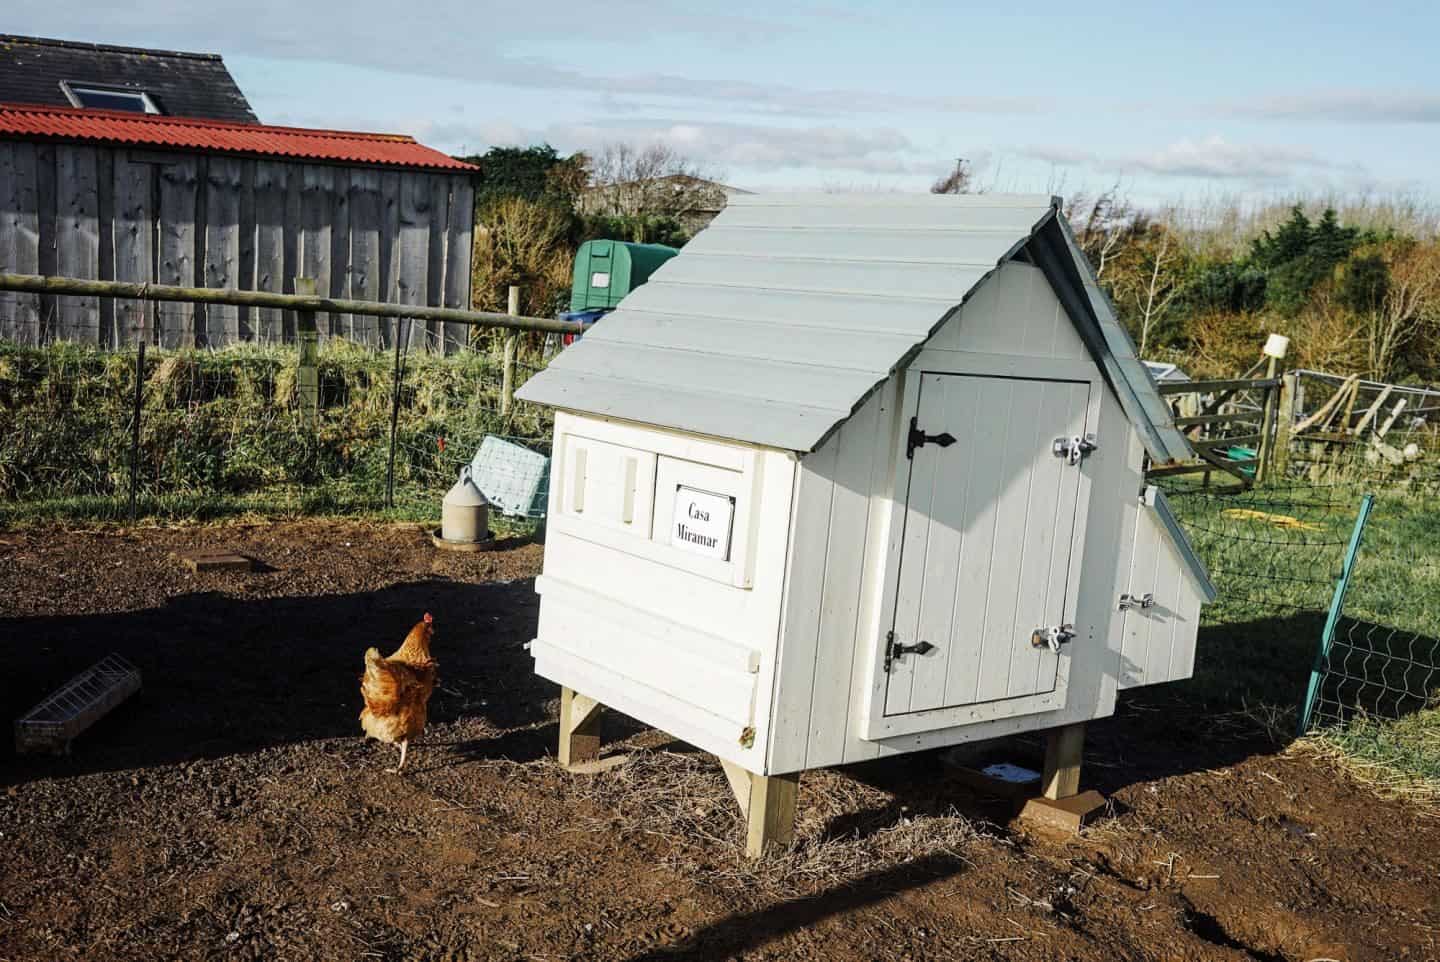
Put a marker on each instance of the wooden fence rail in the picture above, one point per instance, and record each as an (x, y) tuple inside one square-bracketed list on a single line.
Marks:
[(1260, 427), (75, 287), (305, 305)]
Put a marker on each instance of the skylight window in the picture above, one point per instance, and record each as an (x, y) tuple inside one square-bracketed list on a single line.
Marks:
[(102, 97)]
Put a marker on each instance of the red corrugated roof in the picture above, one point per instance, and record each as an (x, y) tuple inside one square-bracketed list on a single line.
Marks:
[(184, 133)]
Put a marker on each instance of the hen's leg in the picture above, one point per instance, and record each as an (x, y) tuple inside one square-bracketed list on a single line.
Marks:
[(404, 744)]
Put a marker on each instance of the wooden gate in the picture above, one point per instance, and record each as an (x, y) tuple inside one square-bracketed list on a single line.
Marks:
[(1231, 424)]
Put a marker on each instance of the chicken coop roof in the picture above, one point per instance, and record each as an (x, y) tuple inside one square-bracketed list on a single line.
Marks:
[(187, 133), (777, 321)]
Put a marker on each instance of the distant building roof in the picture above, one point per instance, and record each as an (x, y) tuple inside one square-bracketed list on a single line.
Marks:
[(256, 140), (36, 70)]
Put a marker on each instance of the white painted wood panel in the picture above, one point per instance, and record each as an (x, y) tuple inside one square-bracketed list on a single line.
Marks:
[(800, 646), (658, 587), (987, 545), (1159, 641), (1014, 312)]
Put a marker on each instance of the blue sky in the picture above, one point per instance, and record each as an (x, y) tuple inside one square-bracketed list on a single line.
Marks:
[(1178, 101)]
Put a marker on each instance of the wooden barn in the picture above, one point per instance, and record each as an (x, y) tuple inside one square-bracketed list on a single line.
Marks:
[(859, 475), (133, 196)]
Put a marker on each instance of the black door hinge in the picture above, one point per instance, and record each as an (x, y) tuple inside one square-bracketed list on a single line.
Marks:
[(895, 650), (918, 438)]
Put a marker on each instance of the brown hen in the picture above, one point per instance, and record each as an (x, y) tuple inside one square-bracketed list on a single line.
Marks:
[(397, 690)]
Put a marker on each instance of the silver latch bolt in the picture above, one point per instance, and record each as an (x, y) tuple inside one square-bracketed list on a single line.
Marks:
[(1128, 601), (1074, 448), (1052, 637)]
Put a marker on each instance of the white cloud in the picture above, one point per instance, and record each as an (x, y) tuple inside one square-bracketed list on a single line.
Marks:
[(1342, 106), (493, 42), (1209, 158), (757, 148)]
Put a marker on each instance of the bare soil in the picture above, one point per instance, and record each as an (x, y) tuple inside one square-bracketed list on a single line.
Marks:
[(234, 812)]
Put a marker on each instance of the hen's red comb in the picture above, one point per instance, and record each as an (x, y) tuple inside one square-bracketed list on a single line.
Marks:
[(428, 619)]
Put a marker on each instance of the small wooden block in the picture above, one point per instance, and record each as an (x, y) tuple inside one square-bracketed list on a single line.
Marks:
[(199, 561), (1069, 814)]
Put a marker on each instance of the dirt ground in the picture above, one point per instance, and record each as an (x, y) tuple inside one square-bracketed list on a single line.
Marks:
[(233, 811)]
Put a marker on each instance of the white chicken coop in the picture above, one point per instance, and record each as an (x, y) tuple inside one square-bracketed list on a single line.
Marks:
[(856, 475)]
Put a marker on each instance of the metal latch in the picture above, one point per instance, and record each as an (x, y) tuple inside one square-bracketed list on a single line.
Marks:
[(918, 438), (895, 650), (1074, 448), (1052, 637), (1128, 601)]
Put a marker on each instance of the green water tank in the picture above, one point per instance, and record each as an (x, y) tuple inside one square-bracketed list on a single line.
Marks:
[(607, 270)]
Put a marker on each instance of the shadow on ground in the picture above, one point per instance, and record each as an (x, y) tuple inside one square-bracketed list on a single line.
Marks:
[(224, 675)]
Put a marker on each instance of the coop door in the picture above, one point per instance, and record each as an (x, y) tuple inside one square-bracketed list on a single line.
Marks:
[(985, 578)]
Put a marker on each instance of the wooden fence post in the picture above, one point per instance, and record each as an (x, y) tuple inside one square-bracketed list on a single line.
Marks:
[(1267, 421), (512, 341), (307, 377), (1288, 414)]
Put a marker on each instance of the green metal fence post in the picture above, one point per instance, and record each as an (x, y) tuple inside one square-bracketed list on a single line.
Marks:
[(1332, 621)]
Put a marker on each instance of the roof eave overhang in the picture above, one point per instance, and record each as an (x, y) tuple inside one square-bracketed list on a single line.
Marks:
[(1051, 248)]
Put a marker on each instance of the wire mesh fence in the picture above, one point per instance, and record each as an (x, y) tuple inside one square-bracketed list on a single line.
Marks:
[(1347, 640), (1375, 688), (1273, 552), (215, 432)]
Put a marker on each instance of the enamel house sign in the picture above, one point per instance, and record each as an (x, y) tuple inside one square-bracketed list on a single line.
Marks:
[(701, 522)]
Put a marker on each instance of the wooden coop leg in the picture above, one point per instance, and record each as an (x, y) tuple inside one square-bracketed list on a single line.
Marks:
[(1063, 748), (579, 728), (768, 804), (1063, 805)]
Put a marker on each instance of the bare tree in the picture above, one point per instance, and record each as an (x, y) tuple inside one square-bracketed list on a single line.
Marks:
[(1410, 308), (653, 180), (961, 180), (1103, 227), (1158, 291)]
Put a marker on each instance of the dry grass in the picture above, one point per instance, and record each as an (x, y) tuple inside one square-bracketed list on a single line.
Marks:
[(1385, 781), (685, 799)]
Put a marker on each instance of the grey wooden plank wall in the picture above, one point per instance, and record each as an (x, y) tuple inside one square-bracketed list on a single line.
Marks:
[(368, 233)]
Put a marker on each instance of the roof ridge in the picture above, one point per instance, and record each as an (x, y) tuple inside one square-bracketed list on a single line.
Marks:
[(129, 116), (7, 38)]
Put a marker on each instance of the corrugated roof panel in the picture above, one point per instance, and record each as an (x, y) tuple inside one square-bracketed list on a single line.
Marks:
[(967, 247), (832, 388), (806, 302), (185, 133), (839, 313), (765, 340), (790, 427), (889, 278), (1016, 213)]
